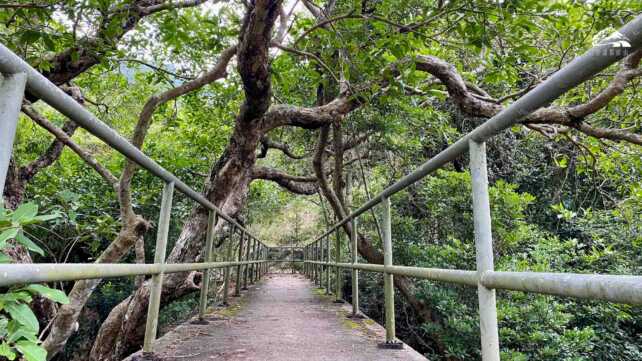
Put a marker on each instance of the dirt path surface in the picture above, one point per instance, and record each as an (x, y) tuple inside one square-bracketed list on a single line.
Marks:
[(282, 318)]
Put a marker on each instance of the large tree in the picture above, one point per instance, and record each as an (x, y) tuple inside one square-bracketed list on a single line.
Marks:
[(355, 56)]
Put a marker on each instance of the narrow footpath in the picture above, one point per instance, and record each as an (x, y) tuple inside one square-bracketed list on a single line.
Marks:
[(281, 318)]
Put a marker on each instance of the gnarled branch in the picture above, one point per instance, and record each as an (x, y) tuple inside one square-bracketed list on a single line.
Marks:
[(309, 117), (267, 144), (565, 116), (305, 185), (145, 117), (88, 52)]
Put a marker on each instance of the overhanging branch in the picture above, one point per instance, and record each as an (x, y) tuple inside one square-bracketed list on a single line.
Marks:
[(305, 185), (267, 144)]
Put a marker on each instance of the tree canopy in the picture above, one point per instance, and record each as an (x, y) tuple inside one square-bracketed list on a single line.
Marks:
[(287, 115)]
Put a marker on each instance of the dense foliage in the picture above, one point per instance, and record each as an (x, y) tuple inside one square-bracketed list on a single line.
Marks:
[(563, 198), (18, 324)]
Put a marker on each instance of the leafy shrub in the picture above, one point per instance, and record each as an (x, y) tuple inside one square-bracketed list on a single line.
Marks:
[(19, 326)]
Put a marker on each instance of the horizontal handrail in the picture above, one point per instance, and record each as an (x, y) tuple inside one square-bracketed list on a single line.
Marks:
[(44, 89), (13, 274), (614, 288), (576, 72)]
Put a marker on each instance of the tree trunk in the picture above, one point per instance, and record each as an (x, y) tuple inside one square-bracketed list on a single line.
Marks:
[(227, 185), (63, 324), (122, 332)]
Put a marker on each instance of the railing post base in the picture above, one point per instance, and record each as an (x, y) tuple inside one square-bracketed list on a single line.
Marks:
[(358, 316), (148, 356), (392, 345)]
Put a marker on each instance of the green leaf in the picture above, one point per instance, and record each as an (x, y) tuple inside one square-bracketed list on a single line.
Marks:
[(31, 351), (41, 218), (30, 36), (4, 214), (75, 56), (23, 315), (46, 217), (49, 43), (7, 351), (7, 235), (18, 332), (3, 327), (25, 212), (50, 293), (16, 297), (4, 258), (25, 241)]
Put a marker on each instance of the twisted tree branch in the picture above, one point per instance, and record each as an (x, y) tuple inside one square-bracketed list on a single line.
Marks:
[(267, 144), (305, 185)]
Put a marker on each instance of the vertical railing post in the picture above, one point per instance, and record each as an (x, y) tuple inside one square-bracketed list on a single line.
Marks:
[(309, 258), (321, 267), (315, 271), (355, 273), (388, 279), (264, 259), (320, 259), (159, 258), (306, 265), (214, 281), (255, 257), (237, 284), (317, 267), (258, 266), (228, 269), (484, 251), (246, 269), (305, 259), (205, 284), (337, 271), (310, 265), (328, 291), (12, 90), (266, 252)]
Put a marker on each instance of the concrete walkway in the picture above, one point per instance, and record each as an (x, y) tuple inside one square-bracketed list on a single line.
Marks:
[(282, 318)]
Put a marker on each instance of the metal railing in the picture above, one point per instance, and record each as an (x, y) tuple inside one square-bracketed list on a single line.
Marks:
[(18, 77), (613, 288)]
